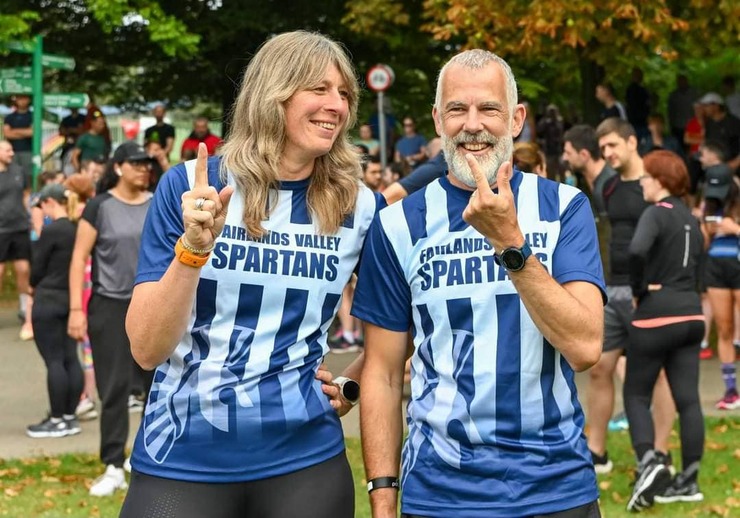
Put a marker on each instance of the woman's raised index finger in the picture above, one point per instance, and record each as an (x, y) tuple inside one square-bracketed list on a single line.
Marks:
[(201, 167)]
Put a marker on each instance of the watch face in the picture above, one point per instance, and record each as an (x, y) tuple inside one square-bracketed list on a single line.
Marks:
[(351, 390), (513, 259)]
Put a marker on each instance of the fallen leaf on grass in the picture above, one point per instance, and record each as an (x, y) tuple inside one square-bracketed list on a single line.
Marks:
[(14, 472), (715, 446), (617, 497), (604, 485), (722, 428), (720, 510), (48, 504), (733, 502), (55, 463), (736, 454), (49, 479), (10, 492), (723, 468)]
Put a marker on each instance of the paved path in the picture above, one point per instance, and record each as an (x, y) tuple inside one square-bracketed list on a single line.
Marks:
[(23, 397)]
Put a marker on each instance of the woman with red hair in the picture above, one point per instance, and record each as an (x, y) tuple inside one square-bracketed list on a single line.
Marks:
[(667, 328)]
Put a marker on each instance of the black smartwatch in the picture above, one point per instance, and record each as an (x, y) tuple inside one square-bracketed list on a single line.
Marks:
[(513, 258), (348, 388)]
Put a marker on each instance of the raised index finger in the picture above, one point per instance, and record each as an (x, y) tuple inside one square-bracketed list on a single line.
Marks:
[(480, 178), (201, 167)]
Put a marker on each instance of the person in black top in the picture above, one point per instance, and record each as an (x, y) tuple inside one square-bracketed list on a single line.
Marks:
[(161, 131), (667, 328), (50, 283)]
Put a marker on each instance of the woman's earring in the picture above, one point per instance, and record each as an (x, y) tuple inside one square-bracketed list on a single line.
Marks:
[(118, 172)]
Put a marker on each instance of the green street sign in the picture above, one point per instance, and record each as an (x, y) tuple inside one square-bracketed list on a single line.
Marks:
[(16, 86), (25, 47), (67, 100), (55, 61), (15, 73), (51, 117)]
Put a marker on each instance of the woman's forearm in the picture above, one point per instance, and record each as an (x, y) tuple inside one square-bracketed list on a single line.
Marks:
[(154, 336)]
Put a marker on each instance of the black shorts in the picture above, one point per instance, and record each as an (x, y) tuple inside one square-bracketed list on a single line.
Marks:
[(617, 318), (15, 246), (722, 272)]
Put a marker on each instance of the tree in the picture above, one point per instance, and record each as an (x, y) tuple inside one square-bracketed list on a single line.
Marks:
[(593, 36)]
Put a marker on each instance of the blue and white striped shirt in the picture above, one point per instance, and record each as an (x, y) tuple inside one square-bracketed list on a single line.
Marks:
[(495, 426), (237, 400)]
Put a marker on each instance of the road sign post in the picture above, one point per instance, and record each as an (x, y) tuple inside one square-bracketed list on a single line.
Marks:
[(29, 80), (38, 105), (379, 79)]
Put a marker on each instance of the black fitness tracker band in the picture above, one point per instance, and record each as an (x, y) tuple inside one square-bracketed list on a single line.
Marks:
[(381, 482)]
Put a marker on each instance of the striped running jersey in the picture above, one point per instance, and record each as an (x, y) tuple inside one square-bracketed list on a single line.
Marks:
[(495, 426), (237, 400)]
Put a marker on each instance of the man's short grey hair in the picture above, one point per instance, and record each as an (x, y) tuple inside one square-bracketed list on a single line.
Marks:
[(477, 59)]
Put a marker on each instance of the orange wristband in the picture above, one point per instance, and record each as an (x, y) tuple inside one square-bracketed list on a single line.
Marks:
[(189, 258)]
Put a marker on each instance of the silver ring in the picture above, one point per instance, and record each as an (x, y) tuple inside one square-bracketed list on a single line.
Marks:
[(199, 203)]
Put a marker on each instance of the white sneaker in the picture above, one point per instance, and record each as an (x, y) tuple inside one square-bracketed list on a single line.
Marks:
[(109, 482), (127, 465)]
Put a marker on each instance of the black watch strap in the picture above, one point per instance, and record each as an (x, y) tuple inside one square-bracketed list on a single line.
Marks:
[(381, 482)]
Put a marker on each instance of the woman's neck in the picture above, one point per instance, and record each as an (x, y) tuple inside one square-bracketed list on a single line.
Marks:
[(126, 193), (292, 170)]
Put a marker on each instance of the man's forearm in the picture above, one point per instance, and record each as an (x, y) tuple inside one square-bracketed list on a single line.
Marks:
[(381, 427), (574, 325)]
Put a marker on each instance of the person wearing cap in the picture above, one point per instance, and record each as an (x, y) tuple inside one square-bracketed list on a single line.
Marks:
[(110, 231), (92, 144), (722, 273), (723, 127), (50, 284)]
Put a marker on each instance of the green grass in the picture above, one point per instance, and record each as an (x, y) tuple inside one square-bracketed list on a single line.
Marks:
[(54, 487)]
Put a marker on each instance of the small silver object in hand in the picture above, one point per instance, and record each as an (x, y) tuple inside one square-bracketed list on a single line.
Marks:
[(199, 203)]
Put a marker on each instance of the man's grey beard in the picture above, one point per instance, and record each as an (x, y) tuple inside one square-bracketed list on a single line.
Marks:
[(500, 152)]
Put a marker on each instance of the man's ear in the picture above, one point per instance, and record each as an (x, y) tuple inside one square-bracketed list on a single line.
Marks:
[(518, 118), (437, 121)]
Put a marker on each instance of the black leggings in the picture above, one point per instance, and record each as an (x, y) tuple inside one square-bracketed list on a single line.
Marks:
[(64, 376), (674, 347), (320, 491)]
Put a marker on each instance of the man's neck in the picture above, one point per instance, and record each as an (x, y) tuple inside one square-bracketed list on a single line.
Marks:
[(633, 170), (592, 170)]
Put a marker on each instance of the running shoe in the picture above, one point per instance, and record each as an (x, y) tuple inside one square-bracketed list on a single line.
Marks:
[(667, 460), (135, 404), (109, 482), (705, 353), (49, 427), (86, 410), (652, 479), (730, 401), (602, 464), (680, 490), (343, 347), (618, 423)]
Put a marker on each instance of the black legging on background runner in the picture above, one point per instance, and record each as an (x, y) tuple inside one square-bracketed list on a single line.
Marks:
[(64, 376), (674, 347), (321, 491)]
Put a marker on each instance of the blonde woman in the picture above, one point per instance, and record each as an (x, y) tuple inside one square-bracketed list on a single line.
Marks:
[(244, 256)]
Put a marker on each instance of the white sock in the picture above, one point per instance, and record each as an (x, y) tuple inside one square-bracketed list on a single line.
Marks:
[(23, 301), (68, 417), (56, 420), (348, 336)]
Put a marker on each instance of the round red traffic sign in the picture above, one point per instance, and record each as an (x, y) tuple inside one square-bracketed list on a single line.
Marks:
[(380, 78)]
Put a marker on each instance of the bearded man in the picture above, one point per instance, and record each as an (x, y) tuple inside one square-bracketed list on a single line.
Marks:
[(498, 277)]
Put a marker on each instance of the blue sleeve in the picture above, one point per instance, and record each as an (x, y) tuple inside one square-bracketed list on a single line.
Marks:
[(382, 296), (577, 256), (163, 226)]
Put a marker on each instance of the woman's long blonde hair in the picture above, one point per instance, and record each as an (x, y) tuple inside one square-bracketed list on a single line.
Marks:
[(284, 65)]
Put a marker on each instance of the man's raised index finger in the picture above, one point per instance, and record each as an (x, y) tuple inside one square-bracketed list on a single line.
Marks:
[(480, 178), (201, 167)]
